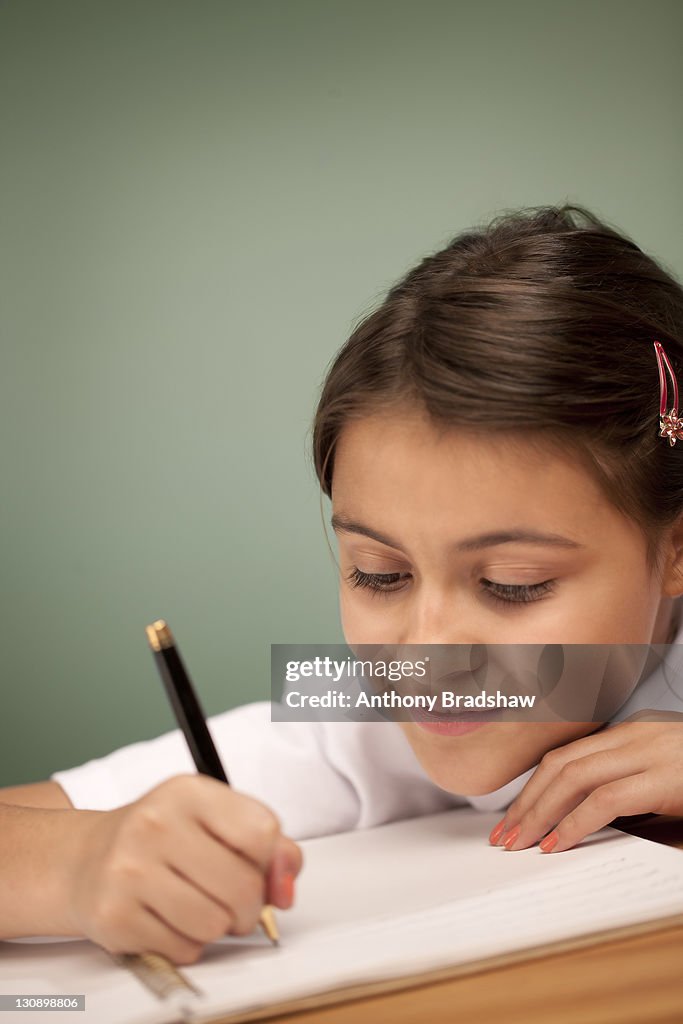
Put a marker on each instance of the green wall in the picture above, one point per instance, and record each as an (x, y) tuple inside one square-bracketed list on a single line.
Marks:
[(198, 201)]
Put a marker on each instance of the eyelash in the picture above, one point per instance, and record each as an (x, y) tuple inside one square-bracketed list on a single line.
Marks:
[(380, 583)]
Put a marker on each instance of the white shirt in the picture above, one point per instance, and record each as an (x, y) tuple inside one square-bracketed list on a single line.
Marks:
[(321, 777)]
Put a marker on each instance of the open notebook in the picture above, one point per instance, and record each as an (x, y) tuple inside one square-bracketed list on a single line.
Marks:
[(376, 908)]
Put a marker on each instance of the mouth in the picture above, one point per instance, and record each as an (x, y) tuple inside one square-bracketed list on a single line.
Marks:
[(455, 723)]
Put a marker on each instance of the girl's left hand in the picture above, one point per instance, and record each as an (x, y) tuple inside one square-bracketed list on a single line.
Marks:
[(634, 767)]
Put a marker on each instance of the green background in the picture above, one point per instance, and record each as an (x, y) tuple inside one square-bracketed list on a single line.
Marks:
[(199, 200)]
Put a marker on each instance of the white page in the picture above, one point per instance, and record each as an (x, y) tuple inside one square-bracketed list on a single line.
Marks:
[(380, 903), (431, 892)]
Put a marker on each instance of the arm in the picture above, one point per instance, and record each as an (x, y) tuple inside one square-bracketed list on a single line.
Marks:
[(31, 886), (38, 845), (187, 863), (36, 794)]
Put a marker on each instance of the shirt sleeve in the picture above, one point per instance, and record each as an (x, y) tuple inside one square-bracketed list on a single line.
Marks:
[(283, 764)]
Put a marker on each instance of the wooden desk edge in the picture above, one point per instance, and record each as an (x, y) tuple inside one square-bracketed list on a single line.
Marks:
[(407, 981)]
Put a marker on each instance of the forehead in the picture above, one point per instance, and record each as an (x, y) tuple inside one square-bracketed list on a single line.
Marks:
[(401, 468)]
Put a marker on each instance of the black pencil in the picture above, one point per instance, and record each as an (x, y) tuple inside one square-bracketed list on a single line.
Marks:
[(190, 718)]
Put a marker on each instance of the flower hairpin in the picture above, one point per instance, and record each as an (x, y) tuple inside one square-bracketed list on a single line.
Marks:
[(670, 424)]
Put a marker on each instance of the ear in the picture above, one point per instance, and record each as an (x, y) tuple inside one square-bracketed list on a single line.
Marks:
[(672, 577)]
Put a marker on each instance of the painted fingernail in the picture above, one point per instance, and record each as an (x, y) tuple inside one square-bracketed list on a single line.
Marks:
[(549, 842), (287, 888), (497, 831), (511, 837)]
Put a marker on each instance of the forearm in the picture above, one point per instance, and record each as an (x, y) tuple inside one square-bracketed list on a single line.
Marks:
[(39, 851)]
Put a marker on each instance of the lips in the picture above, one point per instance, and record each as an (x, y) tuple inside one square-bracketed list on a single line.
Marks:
[(450, 728), (456, 722), (457, 715), (460, 728)]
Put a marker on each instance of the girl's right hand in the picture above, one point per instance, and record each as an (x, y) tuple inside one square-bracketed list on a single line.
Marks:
[(187, 863)]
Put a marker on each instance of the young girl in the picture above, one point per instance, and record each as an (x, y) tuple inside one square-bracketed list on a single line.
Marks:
[(498, 471)]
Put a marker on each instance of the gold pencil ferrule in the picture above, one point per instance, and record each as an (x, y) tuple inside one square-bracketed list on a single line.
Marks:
[(159, 635)]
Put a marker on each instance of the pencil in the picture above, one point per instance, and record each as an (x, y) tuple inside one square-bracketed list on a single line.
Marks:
[(190, 717)]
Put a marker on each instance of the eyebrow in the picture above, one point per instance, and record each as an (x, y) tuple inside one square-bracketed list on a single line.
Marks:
[(343, 524)]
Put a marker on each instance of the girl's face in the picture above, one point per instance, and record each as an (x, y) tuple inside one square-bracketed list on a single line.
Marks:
[(435, 513)]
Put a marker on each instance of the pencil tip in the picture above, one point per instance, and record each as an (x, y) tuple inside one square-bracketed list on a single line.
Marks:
[(268, 924)]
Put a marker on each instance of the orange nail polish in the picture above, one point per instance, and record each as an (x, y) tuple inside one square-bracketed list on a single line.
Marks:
[(497, 831), (511, 837), (549, 842), (287, 887)]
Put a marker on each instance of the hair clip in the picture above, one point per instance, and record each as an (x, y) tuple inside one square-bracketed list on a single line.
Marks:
[(670, 424)]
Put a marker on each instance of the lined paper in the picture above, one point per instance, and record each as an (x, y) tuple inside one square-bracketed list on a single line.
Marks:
[(379, 904), (430, 893)]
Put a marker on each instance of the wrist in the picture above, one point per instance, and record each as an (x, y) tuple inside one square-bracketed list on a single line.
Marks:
[(71, 856)]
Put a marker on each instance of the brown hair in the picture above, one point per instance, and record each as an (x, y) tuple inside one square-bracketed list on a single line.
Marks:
[(545, 316)]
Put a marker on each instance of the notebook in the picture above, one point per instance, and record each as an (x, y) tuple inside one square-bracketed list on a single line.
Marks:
[(379, 908)]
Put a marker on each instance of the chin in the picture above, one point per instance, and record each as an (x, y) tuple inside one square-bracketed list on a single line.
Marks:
[(467, 776), (473, 770), (476, 782)]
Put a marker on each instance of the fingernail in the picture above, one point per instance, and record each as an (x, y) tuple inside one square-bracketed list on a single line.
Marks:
[(497, 831), (287, 888), (284, 864), (511, 837), (549, 842)]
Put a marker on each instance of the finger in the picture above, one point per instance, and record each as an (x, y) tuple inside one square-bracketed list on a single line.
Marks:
[(572, 784), (632, 795), (649, 715), (148, 933), (292, 854), (186, 909), (285, 866), (247, 825), (220, 872), (547, 770)]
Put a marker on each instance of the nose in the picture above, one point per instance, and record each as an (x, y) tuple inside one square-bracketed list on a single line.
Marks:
[(435, 616), (438, 627)]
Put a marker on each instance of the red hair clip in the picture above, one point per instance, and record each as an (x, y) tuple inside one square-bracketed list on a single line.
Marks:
[(670, 424)]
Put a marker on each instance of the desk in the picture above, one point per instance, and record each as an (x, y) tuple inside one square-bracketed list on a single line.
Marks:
[(633, 980)]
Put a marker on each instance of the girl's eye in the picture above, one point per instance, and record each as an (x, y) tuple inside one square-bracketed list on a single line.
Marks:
[(508, 593), (501, 593), (378, 582)]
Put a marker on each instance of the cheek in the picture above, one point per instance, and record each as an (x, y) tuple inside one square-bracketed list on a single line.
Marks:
[(596, 680), (357, 629), (363, 619), (347, 616)]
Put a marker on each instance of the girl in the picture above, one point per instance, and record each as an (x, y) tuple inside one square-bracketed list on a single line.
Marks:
[(490, 442)]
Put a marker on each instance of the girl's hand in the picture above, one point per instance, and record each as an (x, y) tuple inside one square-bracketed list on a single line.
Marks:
[(634, 767), (188, 862)]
